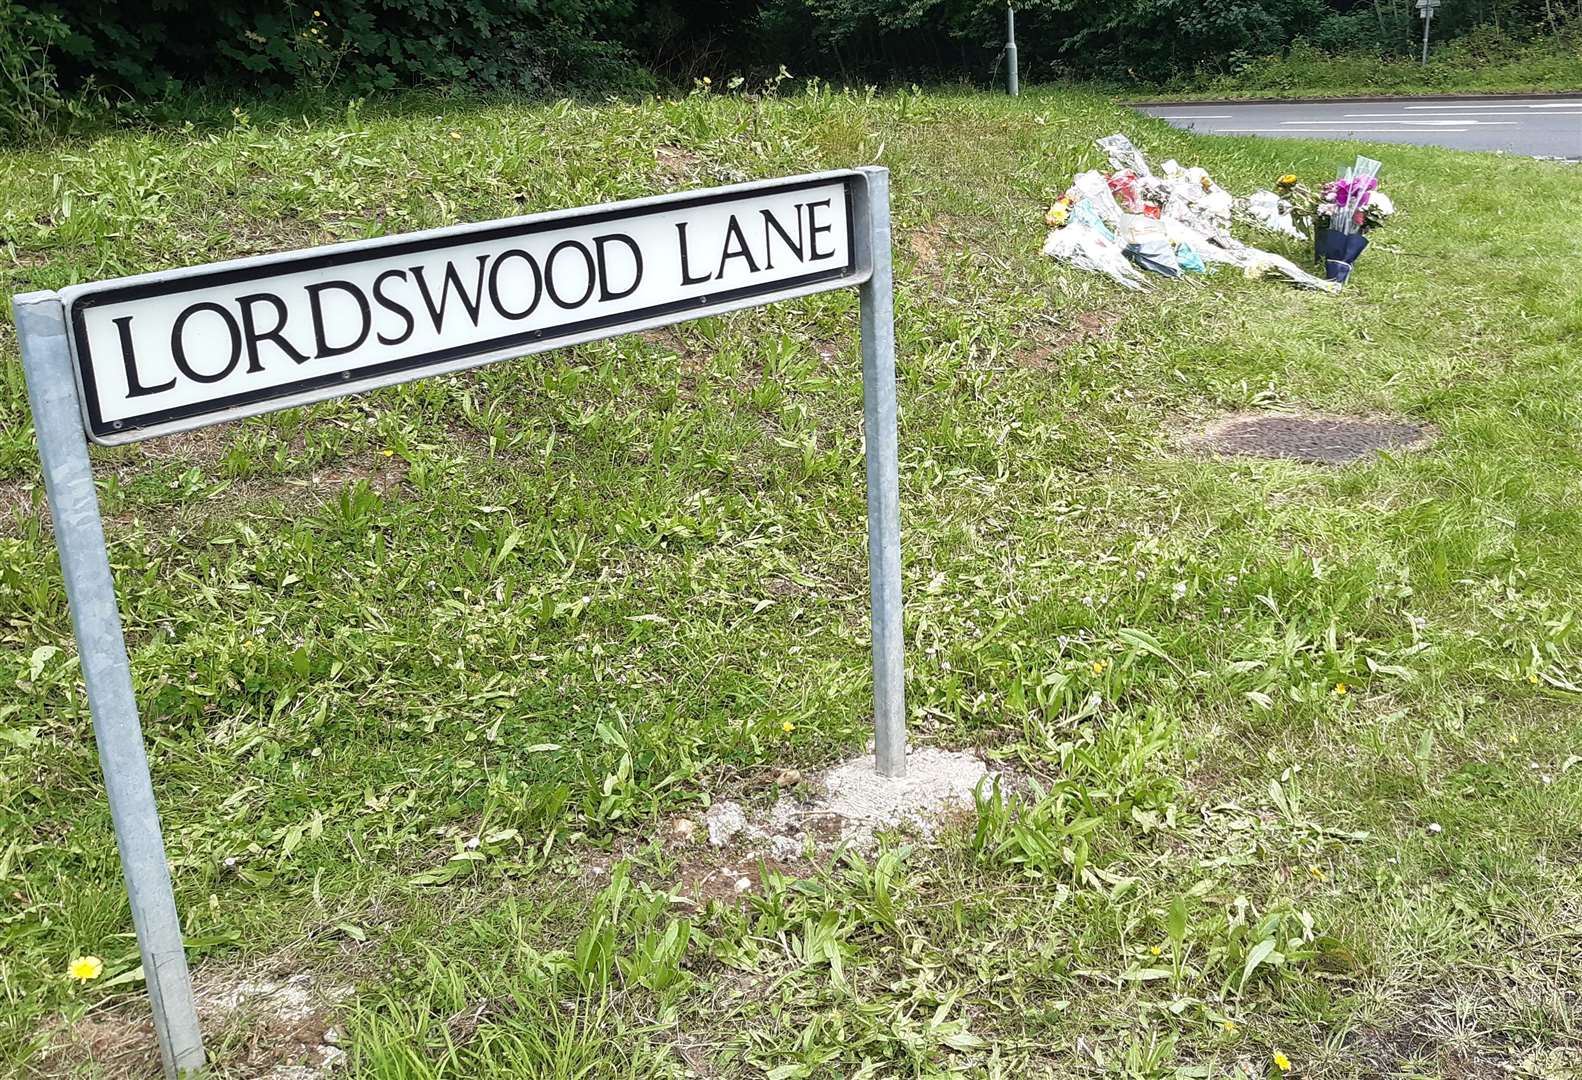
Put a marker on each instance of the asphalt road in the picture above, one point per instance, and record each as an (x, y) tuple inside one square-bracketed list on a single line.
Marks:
[(1547, 127)]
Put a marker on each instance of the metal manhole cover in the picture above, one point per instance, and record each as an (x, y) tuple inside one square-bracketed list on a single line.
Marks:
[(1327, 440)]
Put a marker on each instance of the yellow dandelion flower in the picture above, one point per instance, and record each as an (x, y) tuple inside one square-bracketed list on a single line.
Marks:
[(1287, 180), (388, 453), (1229, 1026), (1282, 1062), (85, 968), (788, 727), (1316, 872), (1099, 666), (1156, 950), (1533, 679), (1340, 689)]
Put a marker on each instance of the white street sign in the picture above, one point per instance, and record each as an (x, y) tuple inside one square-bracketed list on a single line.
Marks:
[(171, 351)]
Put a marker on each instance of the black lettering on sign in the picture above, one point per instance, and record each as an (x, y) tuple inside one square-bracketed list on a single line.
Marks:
[(549, 273), (134, 386), (606, 294), (324, 348), (772, 222), (814, 229), (494, 285), (253, 335), (733, 230), (686, 272), (452, 278), (390, 305), (178, 347)]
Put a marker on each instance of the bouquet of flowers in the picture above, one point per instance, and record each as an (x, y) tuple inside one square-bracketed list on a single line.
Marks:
[(1345, 200), (1304, 201)]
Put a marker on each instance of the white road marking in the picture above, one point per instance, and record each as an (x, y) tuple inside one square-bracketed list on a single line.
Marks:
[(1407, 118), (1412, 123), (1342, 131), (1460, 108), (1472, 117)]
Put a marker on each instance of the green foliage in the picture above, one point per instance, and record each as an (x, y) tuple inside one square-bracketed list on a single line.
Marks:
[(29, 92), (152, 48)]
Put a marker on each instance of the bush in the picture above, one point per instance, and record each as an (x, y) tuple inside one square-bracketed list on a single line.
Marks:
[(149, 49), (30, 96), (1351, 32)]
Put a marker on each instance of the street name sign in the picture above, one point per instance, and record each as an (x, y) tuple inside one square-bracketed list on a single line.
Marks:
[(164, 352), (119, 361)]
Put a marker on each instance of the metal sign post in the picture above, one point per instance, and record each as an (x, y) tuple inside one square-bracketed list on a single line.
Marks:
[(101, 649), (1012, 76), (131, 359), (1426, 9)]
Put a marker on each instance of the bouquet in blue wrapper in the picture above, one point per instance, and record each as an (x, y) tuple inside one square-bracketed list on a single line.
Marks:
[(1346, 200)]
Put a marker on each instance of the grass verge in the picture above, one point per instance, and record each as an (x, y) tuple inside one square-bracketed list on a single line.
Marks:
[(428, 674)]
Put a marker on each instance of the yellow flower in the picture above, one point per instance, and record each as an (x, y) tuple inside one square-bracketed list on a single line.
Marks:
[(1316, 872), (1533, 679), (1229, 1026), (1287, 180), (1282, 1062), (1156, 950), (316, 14), (1099, 666), (1340, 689), (388, 453), (788, 727), (85, 968)]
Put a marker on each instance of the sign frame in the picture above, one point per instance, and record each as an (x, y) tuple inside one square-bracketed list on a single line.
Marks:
[(58, 394)]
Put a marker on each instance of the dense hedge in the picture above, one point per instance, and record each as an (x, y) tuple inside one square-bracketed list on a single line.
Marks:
[(126, 53)]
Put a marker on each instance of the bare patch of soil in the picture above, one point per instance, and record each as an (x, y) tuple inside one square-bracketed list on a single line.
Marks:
[(16, 500), (677, 164), (203, 447), (271, 1024), (1067, 333)]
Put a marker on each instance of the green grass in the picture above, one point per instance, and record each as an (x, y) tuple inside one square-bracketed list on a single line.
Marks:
[(426, 674), (1485, 63)]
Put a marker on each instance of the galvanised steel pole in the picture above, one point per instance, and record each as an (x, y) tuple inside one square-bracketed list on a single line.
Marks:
[(101, 650), (884, 485), (1013, 78)]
